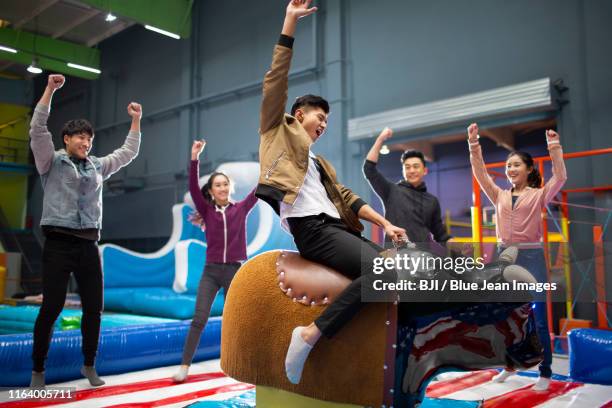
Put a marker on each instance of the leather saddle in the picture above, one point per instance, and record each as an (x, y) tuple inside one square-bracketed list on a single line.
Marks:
[(308, 282)]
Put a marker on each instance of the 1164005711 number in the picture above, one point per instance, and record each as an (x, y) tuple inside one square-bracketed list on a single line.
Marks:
[(48, 393)]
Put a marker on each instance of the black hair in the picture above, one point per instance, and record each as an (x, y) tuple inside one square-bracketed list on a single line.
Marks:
[(309, 100), (208, 186), (534, 179), (413, 153), (76, 127)]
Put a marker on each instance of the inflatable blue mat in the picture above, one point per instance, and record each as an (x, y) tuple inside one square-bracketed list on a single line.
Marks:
[(122, 349)]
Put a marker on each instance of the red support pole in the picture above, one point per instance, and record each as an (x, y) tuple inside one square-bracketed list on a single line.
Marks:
[(600, 278), (586, 153), (596, 189), (564, 206)]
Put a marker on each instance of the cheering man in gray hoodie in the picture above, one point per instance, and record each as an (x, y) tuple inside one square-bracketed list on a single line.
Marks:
[(71, 221)]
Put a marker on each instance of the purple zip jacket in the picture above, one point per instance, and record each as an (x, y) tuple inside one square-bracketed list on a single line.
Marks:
[(225, 227)]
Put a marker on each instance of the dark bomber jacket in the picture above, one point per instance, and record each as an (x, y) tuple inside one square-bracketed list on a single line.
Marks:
[(412, 208), (284, 146)]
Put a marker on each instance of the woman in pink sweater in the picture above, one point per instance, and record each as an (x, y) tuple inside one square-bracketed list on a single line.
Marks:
[(519, 221)]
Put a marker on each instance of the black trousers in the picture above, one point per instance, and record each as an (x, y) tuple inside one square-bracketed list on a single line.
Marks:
[(63, 254), (327, 240)]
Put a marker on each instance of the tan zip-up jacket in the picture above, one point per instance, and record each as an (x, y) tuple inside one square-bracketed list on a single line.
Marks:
[(284, 145)]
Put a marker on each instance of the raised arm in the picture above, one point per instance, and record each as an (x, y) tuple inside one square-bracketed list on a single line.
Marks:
[(249, 201), (194, 177), (126, 153), (378, 143), (478, 167), (379, 183), (41, 140), (559, 174), (276, 79)]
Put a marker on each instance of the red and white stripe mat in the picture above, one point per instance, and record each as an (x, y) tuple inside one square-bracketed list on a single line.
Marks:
[(150, 388), (154, 388), (517, 391)]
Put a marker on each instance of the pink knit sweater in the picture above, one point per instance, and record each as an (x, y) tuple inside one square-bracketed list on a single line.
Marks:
[(523, 224)]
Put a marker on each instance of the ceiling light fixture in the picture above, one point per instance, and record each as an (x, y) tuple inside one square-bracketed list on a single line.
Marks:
[(8, 49), (33, 68), (164, 32), (384, 150), (84, 68), (110, 17)]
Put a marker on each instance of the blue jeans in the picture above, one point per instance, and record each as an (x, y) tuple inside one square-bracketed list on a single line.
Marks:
[(533, 260)]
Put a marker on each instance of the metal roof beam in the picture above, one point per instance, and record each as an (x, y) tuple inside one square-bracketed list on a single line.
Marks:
[(115, 28), (169, 15), (51, 54), (75, 23), (38, 10)]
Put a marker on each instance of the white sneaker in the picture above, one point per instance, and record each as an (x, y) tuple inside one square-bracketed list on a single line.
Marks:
[(503, 376), (542, 384)]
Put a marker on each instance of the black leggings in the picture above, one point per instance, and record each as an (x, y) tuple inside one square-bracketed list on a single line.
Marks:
[(214, 277), (63, 254), (328, 241)]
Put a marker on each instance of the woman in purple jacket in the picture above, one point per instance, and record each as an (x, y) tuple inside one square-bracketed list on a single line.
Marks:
[(225, 223)]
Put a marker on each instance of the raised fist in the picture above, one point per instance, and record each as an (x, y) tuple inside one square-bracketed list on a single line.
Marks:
[(299, 8), (552, 136), (197, 148), (385, 134), (55, 81), (472, 132), (134, 110)]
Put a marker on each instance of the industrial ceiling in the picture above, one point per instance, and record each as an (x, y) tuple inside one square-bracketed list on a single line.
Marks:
[(50, 34)]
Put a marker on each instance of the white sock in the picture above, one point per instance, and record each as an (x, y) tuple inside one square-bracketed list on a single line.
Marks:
[(182, 374), (90, 373), (542, 384), (503, 376), (296, 355), (38, 380)]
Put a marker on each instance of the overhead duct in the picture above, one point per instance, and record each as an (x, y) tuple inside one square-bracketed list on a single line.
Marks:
[(507, 101)]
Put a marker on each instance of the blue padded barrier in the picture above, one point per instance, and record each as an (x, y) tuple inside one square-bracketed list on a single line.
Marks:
[(122, 349), (590, 356), (161, 302)]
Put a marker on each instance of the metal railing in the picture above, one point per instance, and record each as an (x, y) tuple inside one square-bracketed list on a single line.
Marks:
[(13, 150)]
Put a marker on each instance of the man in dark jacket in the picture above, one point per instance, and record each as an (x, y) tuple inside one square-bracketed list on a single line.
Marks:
[(407, 203)]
